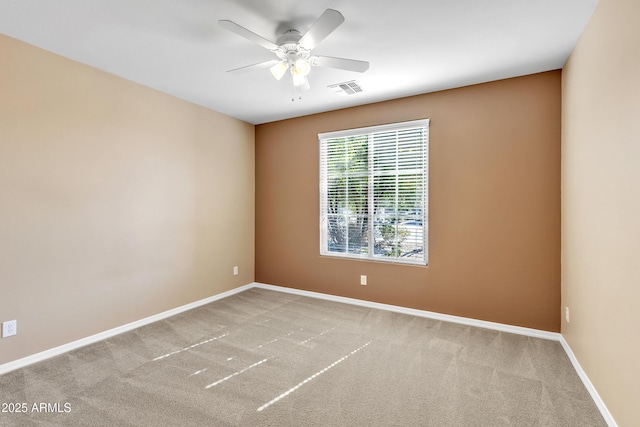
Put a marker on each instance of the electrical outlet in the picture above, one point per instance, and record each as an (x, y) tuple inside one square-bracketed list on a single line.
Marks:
[(566, 314), (363, 280), (235, 270), (9, 328)]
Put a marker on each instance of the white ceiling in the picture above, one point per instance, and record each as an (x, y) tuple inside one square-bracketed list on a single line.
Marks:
[(413, 46)]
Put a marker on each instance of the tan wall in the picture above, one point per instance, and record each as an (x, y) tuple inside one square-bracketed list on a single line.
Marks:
[(601, 204), (116, 202), (494, 196)]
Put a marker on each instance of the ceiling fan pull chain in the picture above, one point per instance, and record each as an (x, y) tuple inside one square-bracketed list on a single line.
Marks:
[(298, 90)]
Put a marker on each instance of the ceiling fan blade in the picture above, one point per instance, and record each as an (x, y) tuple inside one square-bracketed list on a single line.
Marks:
[(340, 63), (257, 66), (324, 25), (249, 35)]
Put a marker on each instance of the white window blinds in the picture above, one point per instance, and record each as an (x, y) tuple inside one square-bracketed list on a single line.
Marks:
[(373, 192)]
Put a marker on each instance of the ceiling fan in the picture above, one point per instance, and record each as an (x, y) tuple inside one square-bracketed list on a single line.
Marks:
[(294, 50)]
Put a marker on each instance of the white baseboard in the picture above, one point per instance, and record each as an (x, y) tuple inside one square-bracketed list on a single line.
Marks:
[(465, 321), (20, 363), (587, 383), (420, 313), (56, 351)]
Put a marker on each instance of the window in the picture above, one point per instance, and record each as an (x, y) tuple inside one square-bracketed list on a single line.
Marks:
[(373, 192)]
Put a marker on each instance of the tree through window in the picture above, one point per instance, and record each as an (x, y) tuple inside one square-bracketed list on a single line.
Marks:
[(373, 192)]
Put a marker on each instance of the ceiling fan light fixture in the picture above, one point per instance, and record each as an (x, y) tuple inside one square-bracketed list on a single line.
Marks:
[(306, 85), (298, 79), (302, 66), (279, 69)]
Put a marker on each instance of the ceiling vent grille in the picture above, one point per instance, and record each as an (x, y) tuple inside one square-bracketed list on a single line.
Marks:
[(347, 88)]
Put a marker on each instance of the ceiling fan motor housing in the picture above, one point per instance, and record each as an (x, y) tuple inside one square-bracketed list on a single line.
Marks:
[(291, 37), (288, 48)]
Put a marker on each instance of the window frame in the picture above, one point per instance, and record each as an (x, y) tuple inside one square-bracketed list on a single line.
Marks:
[(323, 187)]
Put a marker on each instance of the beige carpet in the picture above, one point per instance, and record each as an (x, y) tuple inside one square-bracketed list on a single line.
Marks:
[(265, 358)]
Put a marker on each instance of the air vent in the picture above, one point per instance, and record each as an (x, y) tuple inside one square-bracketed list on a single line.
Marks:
[(347, 88)]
